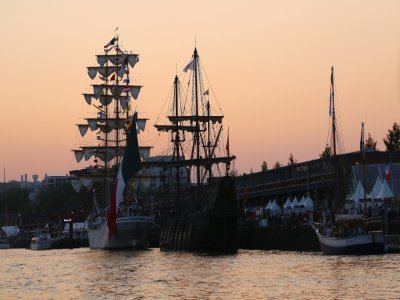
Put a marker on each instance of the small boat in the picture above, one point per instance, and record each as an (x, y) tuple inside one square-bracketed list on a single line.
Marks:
[(351, 234), (41, 241)]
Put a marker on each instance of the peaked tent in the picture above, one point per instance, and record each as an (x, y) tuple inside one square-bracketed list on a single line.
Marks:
[(287, 203), (302, 200), (376, 189), (268, 205), (308, 204), (385, 191), (295, 203)]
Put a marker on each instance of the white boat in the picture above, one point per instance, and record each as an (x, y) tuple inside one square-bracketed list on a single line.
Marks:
[(132, 230), (4, 243), (350, 235), (116, 154), (41, 241)]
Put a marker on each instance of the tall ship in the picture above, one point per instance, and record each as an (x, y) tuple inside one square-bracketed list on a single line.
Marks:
[(197, 198), (348, 233), (113, 153)]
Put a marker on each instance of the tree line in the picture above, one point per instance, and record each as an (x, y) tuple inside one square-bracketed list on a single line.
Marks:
[(391, 142)]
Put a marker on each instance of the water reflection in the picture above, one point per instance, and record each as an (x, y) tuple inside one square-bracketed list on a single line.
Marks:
[(84, 273)]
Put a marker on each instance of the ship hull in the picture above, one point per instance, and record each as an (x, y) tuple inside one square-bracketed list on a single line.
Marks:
[(131, 232), (212, 230), (365, 244)]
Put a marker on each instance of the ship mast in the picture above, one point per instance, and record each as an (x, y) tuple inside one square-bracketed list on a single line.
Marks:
[(335, 160), (177, 139), (197, 131)]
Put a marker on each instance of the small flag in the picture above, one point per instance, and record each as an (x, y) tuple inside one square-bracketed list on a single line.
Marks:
[(190, 66), (112, 42), (112, 77), (206, 93), (388, 171), (127, 88)]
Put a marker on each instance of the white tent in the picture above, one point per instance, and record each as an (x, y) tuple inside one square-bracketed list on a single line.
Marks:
[(385, 191), (294, 203), (274, 207), (287, 203), (376, 189), (308, 204), (302, 200), (268, 205), (359, 193)]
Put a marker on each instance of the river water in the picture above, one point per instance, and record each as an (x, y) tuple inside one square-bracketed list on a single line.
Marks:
[(151, 274)]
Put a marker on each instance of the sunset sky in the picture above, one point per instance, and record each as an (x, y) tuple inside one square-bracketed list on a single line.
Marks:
[(268, 61)]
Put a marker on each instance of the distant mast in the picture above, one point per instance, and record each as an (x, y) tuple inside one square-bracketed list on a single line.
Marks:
[(332, 111)]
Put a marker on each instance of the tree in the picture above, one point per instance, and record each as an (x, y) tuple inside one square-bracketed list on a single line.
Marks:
[(326, 153), (264, 166), (370, 143), (392, 140), (292, 161), (277, 165)]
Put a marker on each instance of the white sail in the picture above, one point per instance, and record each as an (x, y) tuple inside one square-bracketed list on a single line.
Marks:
[(92, 72), (123, 101), (101, 59), (106, 99), (76, 184), (87, 182), (141, 124), (133, 59), (78, 155), (144, 152), (83, 129), (92, 124), (135, 91), (88, 98), (98, 89), (88, 152)]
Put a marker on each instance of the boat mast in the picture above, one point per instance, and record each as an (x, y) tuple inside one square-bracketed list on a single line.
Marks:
[(333, 114), (209, 140), (177, 139), (197, 131), (5, 198), (362, 149), (117, 106)]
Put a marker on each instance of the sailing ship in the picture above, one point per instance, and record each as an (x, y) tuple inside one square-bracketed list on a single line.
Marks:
[(118, 220), (350, 233), (196, 201)]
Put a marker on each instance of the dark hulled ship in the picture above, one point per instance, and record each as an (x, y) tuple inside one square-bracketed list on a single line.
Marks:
[(197, 202)]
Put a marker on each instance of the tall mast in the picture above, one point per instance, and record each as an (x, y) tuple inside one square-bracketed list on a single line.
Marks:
[(4, 193), (117, 107), (197, 131), (333, 114), (209, 139), (177, 139)]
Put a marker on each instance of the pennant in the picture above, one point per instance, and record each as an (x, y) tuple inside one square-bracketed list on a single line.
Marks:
[(130, 165), (111, 43), (190, 66), (388, 172), (206, 93), (112, 77)]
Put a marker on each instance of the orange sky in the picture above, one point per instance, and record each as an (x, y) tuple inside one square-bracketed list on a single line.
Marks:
[(268, 62)]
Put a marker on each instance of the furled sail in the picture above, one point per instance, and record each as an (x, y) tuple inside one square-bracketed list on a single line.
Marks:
[(83, 129)]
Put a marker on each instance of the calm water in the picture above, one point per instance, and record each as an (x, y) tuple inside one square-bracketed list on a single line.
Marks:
[(250, 274)]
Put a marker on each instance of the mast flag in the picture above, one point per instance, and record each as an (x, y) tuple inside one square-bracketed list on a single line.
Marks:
[(130, 165), (332, 95), (111, 43), (190, 66), (388, 169), (206, 93)]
